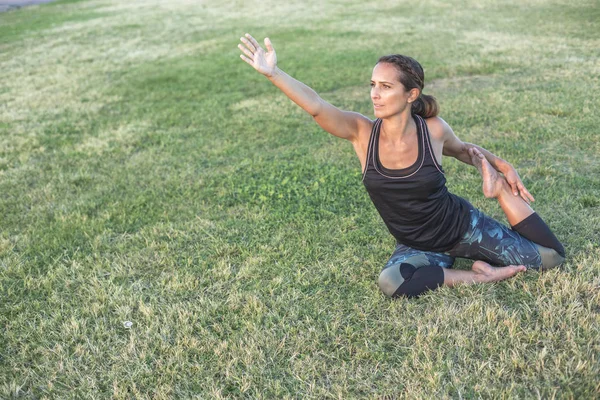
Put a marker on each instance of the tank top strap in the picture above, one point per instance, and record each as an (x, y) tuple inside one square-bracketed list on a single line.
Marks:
[(429, 156), (374, 132)]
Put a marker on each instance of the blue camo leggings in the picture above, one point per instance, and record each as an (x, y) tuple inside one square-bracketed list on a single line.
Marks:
[(410, 272)]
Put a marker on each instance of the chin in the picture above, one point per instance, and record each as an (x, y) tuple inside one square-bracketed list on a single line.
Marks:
[(380, 113)]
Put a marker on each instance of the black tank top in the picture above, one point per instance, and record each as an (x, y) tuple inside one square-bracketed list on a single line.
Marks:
[(414, 201)]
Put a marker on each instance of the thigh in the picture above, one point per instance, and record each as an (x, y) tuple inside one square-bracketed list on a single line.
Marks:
[(490, 241), (419, 258)]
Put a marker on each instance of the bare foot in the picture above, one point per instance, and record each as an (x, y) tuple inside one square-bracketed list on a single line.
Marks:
[(492, 182), (486, 273)]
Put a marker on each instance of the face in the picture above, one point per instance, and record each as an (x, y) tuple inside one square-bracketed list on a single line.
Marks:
[(389, 96)]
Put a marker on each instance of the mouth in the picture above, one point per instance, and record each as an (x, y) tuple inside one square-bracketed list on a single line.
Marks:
[(377, 105)]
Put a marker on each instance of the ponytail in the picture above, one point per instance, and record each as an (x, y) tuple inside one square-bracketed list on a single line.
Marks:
[(426, 106)]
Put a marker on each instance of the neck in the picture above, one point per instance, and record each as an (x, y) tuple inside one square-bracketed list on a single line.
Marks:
[(398, 127)]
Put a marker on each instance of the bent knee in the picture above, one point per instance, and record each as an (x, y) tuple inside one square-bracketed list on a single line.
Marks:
[(550, 257), (390, 280), (407, 280)]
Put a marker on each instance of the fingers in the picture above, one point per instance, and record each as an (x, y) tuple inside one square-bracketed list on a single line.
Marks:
[(253, 42), (525, 193), (249, 61), (514, 187), (269, 45), (529, 195), (252, 46), (519, 189), (476, 152), (246, 51), (248, 44)]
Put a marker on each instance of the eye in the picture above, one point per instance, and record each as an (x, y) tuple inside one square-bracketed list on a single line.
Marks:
[(372, 84), (386, 86)]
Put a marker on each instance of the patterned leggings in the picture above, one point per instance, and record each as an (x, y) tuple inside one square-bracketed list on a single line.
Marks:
[(410, 272)]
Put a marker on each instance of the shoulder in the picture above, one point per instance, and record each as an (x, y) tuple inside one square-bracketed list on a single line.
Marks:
[(364, 127), (361, 140), (365, 122), (438, 128)]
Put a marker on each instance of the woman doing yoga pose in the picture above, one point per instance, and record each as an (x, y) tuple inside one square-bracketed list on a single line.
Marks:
[(401, 154)]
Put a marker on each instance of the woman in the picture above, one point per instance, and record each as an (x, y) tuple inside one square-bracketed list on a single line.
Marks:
[(400, 153)]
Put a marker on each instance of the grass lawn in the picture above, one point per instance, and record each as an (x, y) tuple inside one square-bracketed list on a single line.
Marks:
[(149, 175)]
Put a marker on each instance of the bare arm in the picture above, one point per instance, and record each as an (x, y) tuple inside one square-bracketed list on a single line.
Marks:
[(343, 124), (458, 149)]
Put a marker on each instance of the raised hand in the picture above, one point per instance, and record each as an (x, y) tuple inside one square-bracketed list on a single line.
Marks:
[(263, 62)]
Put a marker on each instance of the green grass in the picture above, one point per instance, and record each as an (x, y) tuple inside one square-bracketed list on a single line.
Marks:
[(147, 174)]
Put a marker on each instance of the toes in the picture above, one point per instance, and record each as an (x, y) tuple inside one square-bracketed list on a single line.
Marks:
[(518, 268)]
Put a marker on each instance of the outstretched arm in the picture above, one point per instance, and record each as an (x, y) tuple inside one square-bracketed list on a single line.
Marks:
[(458, 149), (343, 124)]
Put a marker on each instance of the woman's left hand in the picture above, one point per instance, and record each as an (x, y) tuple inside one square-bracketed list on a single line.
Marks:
[(516, 185)]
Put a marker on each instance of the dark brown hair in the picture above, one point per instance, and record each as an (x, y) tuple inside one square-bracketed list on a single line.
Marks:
[(412, 76)]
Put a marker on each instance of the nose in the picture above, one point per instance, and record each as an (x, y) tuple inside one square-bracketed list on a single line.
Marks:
[(374, 92)]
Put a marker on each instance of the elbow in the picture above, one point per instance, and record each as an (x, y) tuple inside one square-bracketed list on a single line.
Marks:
[(315, 109)]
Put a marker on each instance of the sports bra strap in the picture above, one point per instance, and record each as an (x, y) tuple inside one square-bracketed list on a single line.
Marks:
[(375, 128), (425, 131)]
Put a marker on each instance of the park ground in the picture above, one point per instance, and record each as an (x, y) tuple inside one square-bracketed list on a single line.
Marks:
[(171, 226)]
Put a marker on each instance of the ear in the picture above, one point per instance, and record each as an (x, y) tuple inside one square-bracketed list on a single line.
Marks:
[(414, 95)]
